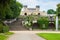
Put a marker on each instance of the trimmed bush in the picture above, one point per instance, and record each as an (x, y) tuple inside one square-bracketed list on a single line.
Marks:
[(43, 23)]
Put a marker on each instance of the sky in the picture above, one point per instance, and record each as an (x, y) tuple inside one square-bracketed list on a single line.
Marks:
[(44, 4)]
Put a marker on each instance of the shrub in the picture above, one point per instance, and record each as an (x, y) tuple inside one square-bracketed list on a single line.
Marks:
[(3, 28), (28, 24), (59, 21), (59, 24), (43, 23)]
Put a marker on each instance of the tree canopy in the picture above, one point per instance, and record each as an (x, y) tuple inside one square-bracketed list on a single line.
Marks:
[(51, 11), (9, 9), (3, 7), (58, 9)]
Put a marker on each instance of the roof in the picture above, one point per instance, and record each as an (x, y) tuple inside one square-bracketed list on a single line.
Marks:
[(31, 8)]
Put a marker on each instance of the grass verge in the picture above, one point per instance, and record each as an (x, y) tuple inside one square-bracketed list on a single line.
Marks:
[(4, 36), (50, 36)]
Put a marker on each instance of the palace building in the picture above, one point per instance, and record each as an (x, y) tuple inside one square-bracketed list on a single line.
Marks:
[(32, 11)]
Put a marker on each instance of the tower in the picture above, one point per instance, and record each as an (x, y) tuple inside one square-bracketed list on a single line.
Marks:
[(25, 7), (37, 8)]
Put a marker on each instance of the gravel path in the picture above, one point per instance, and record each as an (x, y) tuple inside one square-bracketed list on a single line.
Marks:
[(25, 35)]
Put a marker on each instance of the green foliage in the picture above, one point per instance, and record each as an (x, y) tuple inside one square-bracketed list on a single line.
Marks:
[(3, 6), (8, 33), (58, 5), (28, 25), (51, 11), (4, 36), (9, 9), (58, 9), (59, 21), (29, 19), (15, 8), (3, 28), (43, 22)]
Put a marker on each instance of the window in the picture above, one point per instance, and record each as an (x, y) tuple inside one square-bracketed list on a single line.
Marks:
[(51, 18), (38, 13), (25, 14)]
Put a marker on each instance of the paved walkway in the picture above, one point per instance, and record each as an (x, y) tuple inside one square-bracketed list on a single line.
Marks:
[(25, 35), (28, 35)]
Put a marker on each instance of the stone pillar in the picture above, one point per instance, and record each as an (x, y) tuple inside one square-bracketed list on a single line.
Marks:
[(56, 23)]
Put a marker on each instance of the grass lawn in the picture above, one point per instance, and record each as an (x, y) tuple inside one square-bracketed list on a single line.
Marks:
[(4, 36), (50, 36)]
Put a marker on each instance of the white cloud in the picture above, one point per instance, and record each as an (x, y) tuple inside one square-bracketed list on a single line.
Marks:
[(49, 5), (30, 3), (44, 5)]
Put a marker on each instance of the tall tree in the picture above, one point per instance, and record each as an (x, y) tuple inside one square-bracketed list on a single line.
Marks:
[(15, 8), (9, 9), (58, 9), (58, 15), (51, 11), (3, 6)]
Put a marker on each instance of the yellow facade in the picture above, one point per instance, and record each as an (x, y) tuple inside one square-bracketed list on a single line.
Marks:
[(33, 11)]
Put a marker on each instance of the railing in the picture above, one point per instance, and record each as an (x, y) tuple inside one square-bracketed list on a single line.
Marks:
[(10, 21)]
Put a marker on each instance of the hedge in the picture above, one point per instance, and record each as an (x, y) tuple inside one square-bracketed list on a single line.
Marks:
[(43, 23)]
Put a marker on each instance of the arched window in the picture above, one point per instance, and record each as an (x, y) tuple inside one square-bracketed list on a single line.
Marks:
[(38, 13), (25, 14)]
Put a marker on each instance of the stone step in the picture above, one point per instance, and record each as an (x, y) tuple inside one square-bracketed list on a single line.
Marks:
[(17, 25)]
